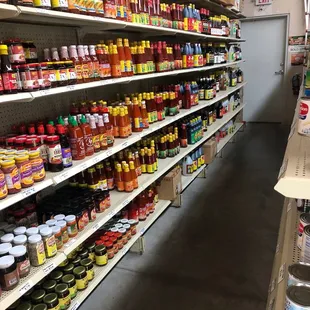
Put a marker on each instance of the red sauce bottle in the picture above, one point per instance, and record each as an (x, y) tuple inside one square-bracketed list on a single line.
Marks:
[(84, 62), (77, 63), (87, 136), (76, 140), (102, 133), (128, 58), (9, 77), (95, 134)]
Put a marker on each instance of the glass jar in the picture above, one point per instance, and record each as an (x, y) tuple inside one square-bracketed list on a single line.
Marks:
[(7, 238), (49, 286), (114, 242), (63, 227), (128, 231), (80, 278), (36, 250), (83, 253), (76, 261), (24, 306), (30, 50), (63, 294), (43, 4), (124, 237), (61, 73), (25, 170), (11, 175), (91, 251), (110, 249), (51, 300), (52, 73), (3, 186), (37, 166), (71, 226), (32, 231), (59, 217), (16, 51), (29, 77), (133, 226), (88, 264), (21, 258), (68, 269), (31, 214), (56, 275), (5, 248), (44, 76), (20, 240), (58, 236), (60, 5), (119, 237), (40, 307), (8, 273), (49, 242), (21, 230), (101, 256), (69, 279), (37, 296), (71, 73)]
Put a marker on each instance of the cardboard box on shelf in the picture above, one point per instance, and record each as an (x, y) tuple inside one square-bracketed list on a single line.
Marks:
[(170, 186), (227, 2), (209, 150)]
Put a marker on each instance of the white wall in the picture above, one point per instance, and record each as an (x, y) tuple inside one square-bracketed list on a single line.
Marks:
[(295, 9)]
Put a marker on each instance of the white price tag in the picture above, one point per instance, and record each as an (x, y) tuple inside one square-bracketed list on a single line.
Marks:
[(28, 192), (70, 242), (49, 268), (125, 250), (108, 153), (62, 177), (96, 227), (125, 202), (111, 213), (96, 159), (281, 273), (44, 92), (75, 305), (272, 286), (142, 231), (124, 144), (25, 288), (106, 82), (289, 207), (71, 87), (84, 166)]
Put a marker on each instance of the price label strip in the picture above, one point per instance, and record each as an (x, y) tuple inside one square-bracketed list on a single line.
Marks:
[(49, 268), (28, 192), (75, 305), (25, 288), (289, 207)]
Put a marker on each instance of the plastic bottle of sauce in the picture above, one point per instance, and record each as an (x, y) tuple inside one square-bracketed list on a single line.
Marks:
[(95, 134), (128, 183), (128, 58), (109, 174), (65, 147), (115, 62), (95, 61), (87, 136), (108, 127), (9, 77), (119, 178), (103, 139), (90, 65), (136, 115), (144, 115), (76, 139), (84, 63), (121, 55), (77, 63)]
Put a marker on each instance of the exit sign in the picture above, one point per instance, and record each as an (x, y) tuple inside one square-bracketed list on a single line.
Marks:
[(263, 2)]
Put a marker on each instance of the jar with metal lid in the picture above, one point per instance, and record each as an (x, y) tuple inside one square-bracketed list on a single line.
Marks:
[(80, 278), (5, 248), (16, 51), (51, 300), (76, 261), (88, 264), (25, 170), (7, 238), (68, 269), (69, 279), (20, 240), (91, 251), (110, 249), (37, 296), (64, 263), (32, 231), (36, 250), (64, 232), (128, 231), (44, 75), (115, 245), (72, 254), (29, 77), (52, 73), (40, 307), (21, 230), (24, 306), (49, 286), (71, 225), (71, 73), (62, 291), (37, 166), (83, 253), (56, 275), (133, 226), (21, 258), (19, 143), (8, 273), (12, 177), (119, 237), (58, 236), (60, 72), (49, 242), (30, 50), (124, 235), (101, 256)]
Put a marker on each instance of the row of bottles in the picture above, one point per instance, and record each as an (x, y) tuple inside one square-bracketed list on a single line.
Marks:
[(193, 161)]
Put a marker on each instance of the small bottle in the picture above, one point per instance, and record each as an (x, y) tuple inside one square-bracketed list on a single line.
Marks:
[(128, 183), (136, 115), (65, 147), (76, 139), (134, 176), (87, 136)]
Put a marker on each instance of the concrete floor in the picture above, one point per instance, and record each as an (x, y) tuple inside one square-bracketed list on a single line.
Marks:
[(216, 251)]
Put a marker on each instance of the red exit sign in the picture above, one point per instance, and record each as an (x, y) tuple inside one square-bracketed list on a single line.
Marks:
[(263, 2)]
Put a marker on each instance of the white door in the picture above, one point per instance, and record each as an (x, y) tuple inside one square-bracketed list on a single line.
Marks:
[(264, 53)]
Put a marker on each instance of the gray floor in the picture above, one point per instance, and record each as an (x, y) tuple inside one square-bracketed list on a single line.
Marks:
[(216, 252)]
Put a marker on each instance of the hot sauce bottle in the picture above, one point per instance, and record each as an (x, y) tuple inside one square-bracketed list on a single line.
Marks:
[(103, 184), (128, 183), (115, 62), (77, 63), (76, 139), (121, 55), (133, 173), (142, 161), (109, 174), (114, 121), (84, 62), (128, 121), (136, 116), (95, 134), (128, 58), (108, 127), (119, 179), (104, 64), (87, 136), (9, 77), (137, 163), (122, 124), (144, 115), (103, 138)]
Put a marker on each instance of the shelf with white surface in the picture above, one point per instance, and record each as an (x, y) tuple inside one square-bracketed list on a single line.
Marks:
[(27, 97), (102, 272), (286, 254)]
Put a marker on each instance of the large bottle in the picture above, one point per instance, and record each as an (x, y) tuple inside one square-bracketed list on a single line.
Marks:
[(76, 140), (77, 63), (8, 73), (84, 62), (87, 136)]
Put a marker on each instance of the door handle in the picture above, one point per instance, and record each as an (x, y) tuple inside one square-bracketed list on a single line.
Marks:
[(280, 72)]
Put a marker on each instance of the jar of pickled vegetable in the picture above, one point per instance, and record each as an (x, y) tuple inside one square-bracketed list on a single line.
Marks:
[(51, 300), (101, 256)]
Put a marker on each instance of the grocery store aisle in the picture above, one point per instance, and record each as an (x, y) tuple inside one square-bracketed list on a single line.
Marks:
[(216, 252)]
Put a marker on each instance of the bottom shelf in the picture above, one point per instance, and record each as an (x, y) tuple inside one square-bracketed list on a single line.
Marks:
[(102, 272), (286, 254), (226, 139)]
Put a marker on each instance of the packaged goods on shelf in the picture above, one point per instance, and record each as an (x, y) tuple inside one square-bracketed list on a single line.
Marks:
[(209, 150), (170, 185)]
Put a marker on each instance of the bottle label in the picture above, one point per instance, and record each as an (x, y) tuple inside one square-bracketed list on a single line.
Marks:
[(71, 74), (96, 142), (116, 70), (50, 246), (85, 71), (73, 291), (77, 147), (9, 81), (13, 179), (103, 184), (39, 3), (16, 54), (3, 186), (90, 6), (110, 183), (59, 4), (149, 168), (82, 283), (38, 171), (25, 172), (64, 302), (99, 7), (128, 186), (123, 132), (66, 157)]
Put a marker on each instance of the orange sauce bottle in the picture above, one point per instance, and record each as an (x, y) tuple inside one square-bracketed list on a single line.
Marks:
[(142, 161), (133, 51), (144, 115), (87, 136), (115, 63), (84, 62), (122, 123), (121, 55), (128, 183), (104, 64), (128, 58), (136, 115), (134, 176), (127, 121), (108, 126), (109, 174), (77, 63), (95, 134), (103, 139), (119, 178), (114, 121)]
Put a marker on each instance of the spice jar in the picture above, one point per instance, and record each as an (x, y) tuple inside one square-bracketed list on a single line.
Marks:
[(51, 222), (88, 264), (3, 186), (12, 177), (8, 273), (29, 77), (56, 275), (91, 251), (37, 296), (36, 250), (114, 242), (63, 294), (51, 300), (49, 242), (101, 256), (64, 232), (68, 269), (71, 225), (21, 230), (37, 166), (59, 217), (39, 306), (69, 279), (24, 306), (7, 238), (110, 249), (80, 278), (16, 51), (58, 236), (32, 231), (5, 248), (49, 286), (21, 258), (20, 240)]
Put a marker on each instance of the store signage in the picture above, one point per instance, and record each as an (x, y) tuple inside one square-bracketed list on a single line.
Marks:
[(263, 2)]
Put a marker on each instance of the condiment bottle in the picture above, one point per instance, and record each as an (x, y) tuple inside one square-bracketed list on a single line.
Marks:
[(128, 183), (104, 64), (76, 140), (102, 179), (84, 63), (87, 136), (121, 55), (95, 134), (65, 147), (114, 121), (103, 139), (128, 58), (8, 74), (109, 174), (144, 115), (76, 62), (134, 176), (95, 63), (136, 115), (115, 62), (119, 179)]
